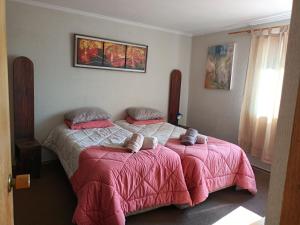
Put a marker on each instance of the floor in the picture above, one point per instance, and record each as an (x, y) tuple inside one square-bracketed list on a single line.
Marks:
[(50, 201)]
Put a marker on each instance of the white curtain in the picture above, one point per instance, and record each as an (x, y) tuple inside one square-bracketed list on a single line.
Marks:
[(259, 114)]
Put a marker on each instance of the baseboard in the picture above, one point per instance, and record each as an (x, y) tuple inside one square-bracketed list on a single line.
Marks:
[(259, 164)]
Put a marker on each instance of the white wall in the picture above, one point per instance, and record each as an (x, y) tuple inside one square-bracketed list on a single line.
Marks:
[(217, 112), (45, 36)]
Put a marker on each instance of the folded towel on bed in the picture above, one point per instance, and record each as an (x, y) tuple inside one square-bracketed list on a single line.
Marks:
[(150, 143), (190, 137), (201, 139), (135, 143)]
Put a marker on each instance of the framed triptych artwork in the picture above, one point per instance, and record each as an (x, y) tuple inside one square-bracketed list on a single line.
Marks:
[(100, 53)]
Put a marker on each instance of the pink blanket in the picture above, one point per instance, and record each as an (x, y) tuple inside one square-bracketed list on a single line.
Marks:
[(111, 183), (213, 166)]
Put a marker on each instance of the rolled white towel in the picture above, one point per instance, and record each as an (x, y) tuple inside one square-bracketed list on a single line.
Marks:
[(135, 143), (201, 139), (150, 143)]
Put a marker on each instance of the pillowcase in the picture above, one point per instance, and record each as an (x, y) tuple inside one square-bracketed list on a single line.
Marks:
[(142, 113), (87, 114), (143, 122), (89, 125)]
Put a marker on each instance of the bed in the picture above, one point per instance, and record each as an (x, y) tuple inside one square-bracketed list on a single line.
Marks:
[(111, 182), (207, 167)]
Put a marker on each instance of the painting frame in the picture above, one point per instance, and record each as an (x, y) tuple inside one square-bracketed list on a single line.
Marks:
[(219, 66), (112, 55)]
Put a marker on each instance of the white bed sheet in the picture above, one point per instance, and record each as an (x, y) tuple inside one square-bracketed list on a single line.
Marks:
[(163, 131), (68, 144)]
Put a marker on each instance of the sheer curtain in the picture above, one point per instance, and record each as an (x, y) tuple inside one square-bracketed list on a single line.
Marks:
[(258, 121)]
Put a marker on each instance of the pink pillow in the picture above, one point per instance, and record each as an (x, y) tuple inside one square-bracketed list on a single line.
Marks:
[(88, 125), (143, 122)]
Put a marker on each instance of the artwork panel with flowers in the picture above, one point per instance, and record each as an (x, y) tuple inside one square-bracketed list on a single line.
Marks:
[(90, 52), (136, 57), (114, 55)]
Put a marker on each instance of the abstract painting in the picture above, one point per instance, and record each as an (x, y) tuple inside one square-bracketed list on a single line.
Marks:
[(136, 58), (100, 53), (114, 55), (89, 52), (219, 66)]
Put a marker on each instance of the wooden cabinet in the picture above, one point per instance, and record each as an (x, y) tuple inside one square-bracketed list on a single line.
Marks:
[(28, 157)]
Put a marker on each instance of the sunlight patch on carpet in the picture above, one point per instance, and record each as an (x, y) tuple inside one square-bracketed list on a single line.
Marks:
[(239, 216)]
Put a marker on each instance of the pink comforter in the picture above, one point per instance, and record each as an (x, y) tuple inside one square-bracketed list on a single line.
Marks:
[(213, 166), (111, 183)]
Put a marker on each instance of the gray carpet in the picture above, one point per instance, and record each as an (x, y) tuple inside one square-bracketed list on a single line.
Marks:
[(50, 201)]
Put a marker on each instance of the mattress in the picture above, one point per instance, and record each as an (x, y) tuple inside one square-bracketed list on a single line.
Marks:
[(163, 131), (68, 144), (207, 168)]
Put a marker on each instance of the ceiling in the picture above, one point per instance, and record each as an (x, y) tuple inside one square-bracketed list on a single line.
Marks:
[(182, 16)]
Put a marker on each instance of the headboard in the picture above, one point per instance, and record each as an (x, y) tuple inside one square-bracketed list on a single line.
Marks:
[(23, 94), (174, 96)]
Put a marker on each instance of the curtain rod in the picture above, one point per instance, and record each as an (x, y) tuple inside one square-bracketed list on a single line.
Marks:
[(249, 30)]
